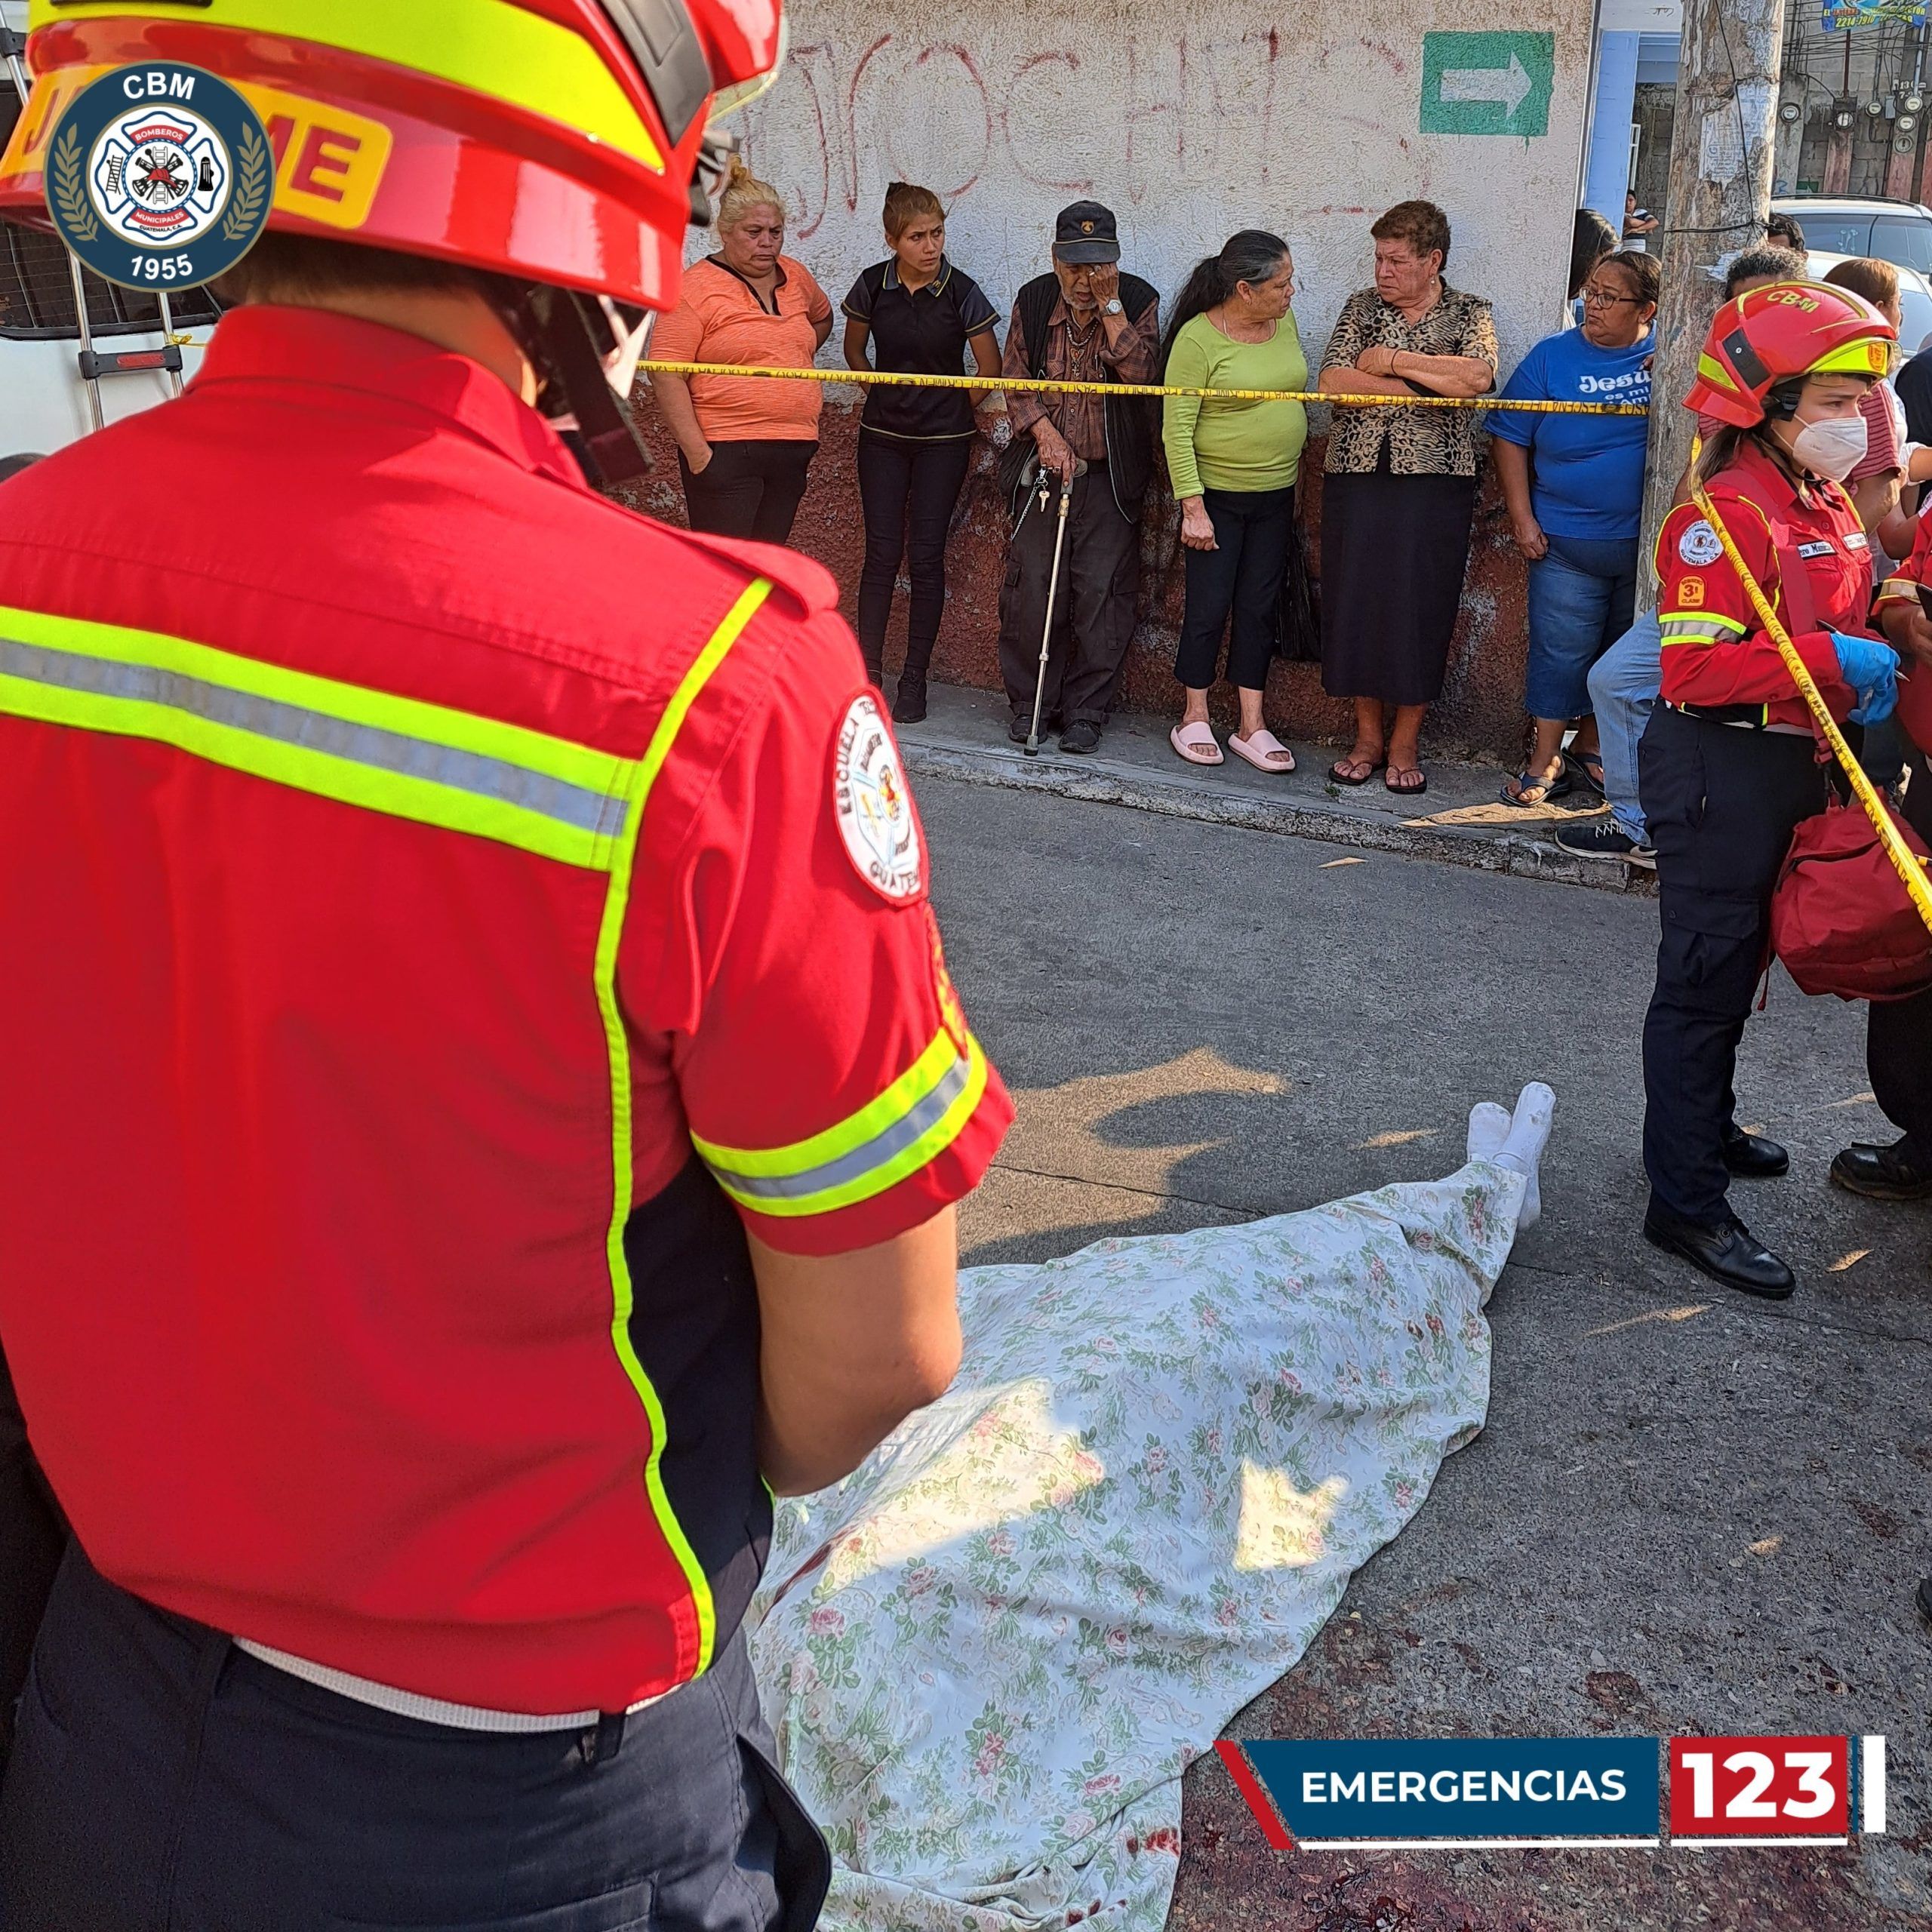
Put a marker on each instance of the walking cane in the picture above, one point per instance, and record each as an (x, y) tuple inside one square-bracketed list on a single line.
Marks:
[(1053, 589)]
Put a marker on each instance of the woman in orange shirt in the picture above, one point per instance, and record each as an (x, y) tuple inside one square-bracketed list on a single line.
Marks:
[(745, 443)]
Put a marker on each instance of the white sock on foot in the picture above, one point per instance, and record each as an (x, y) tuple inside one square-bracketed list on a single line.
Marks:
[(1489, 1127), (1523, 1147)]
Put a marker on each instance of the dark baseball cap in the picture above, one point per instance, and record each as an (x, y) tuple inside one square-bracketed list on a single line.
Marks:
[(1085, 232)]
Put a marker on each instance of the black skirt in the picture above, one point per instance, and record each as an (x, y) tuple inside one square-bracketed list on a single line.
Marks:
[(1394, 550)]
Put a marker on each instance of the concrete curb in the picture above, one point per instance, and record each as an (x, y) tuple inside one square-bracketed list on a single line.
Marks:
[(1102, 781)]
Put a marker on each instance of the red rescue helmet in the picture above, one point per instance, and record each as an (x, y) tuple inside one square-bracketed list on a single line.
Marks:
[(1781, 334), (552, 142)]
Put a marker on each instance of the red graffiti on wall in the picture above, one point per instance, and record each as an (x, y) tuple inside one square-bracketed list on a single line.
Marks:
[(928, 110)]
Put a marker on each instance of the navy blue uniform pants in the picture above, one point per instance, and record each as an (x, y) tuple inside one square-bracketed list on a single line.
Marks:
[(1721, 804), (1898, 1043), (162, 1780)]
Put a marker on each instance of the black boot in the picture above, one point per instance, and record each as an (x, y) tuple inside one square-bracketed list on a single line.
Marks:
[(908, 707), (876, 672)]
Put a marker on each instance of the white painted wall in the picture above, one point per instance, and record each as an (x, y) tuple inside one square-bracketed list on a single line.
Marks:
[(1191, 119)]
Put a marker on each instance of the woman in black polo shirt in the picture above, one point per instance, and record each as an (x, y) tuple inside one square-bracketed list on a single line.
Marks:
[(915, 445)]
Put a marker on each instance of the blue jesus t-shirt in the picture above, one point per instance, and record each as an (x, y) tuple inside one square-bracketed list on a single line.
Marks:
[(1586, 472)]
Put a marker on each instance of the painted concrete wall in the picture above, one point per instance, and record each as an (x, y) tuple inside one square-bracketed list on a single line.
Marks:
[(1190, 120)]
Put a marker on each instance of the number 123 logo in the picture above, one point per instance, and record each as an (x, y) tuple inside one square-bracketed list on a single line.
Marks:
[(1765, 1789)]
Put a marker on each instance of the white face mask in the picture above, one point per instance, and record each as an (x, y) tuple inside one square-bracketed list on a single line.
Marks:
[(1833, 449)]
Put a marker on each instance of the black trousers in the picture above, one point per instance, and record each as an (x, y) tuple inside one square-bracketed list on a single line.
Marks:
[(750, 489), (32, 1535), (1721, 804), (1241, 576), (1099, 575), (907, 491), (165, 1781), (1898, 1033)]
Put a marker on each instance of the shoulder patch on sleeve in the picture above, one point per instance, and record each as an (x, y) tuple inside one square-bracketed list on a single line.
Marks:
[(1699, 545), (1691, 593), (873, 804)]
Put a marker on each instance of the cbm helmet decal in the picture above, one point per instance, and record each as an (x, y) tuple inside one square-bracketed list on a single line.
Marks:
[(160, 176)]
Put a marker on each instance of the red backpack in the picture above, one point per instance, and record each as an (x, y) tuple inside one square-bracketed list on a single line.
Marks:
[(1842, 919)]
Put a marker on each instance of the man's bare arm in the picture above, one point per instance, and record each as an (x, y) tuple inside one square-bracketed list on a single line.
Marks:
[(853, 1343)]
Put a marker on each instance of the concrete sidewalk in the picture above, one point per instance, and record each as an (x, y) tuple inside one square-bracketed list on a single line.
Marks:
[(1461, 818)]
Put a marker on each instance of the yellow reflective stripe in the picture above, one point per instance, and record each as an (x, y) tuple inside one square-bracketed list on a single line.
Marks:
[(802, 1156), (1895, 588), (558, 758), (917, 1134), (400, 756), (1668, 618), (610, 932), (492, 47)]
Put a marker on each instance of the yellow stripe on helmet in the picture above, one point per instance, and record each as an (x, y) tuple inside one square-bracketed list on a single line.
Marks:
[(1870, 356), (491, 47)]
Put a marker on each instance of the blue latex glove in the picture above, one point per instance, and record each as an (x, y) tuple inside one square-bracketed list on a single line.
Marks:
[(1872, 670)]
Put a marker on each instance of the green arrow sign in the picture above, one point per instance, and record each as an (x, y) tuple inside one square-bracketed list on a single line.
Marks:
[(1487, 83)]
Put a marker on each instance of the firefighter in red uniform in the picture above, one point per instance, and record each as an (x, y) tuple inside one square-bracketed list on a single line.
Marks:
[(1727, 765), (483, 1087)]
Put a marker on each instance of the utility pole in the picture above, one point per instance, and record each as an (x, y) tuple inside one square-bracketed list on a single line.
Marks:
[(1721, 148)]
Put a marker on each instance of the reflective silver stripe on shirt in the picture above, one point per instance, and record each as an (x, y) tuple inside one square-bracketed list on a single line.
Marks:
[(889, 1142), (424, 1710), (372, 745)]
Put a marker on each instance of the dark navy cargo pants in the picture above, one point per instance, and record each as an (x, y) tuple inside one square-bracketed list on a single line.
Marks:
[(162, 1780), (1721, 804)]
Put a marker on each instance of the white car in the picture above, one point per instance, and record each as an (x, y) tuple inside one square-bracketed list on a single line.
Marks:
[(46, 401), (1914, 297), (1897, 231)]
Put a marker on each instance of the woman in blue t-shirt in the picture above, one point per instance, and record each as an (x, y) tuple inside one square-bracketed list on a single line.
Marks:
[(1574, 485)]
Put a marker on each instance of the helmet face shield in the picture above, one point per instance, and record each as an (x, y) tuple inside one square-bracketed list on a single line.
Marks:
[(739, 95)]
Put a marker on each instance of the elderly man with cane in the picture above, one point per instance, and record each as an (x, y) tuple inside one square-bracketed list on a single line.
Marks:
[(1064, 631)]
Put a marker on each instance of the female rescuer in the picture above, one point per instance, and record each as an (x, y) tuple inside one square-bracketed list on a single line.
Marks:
[(1728, 765)]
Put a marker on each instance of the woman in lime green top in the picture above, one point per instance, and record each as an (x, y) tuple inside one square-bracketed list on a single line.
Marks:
[(1232, 464)]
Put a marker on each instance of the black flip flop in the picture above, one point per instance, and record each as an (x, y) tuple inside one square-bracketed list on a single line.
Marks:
[(1336, 775), (1404, 791), (1559, 787), (1582, 762)]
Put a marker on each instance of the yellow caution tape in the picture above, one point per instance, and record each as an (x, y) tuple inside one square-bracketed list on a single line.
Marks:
[(1042, 385), (1905, 861)]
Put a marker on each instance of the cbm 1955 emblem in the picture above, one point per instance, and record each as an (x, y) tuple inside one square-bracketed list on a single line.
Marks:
[(160, 176)]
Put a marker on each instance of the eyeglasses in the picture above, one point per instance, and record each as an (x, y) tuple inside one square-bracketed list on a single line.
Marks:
[(1595, 297)]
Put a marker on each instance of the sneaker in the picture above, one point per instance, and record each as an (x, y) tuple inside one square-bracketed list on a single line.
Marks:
[(1604, 839), (1082, 736)]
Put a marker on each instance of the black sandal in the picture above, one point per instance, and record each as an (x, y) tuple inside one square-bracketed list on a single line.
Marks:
[(1338, 776)]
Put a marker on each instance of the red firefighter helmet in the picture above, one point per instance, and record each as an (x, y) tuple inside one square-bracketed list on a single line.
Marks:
[(1783, 333), (554, 142)]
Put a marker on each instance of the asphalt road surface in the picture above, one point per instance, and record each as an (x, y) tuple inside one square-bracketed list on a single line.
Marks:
[(1689, 1511)]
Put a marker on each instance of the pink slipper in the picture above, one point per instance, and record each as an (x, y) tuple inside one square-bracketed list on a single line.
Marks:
[(1264, 751), (1196, 743)]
